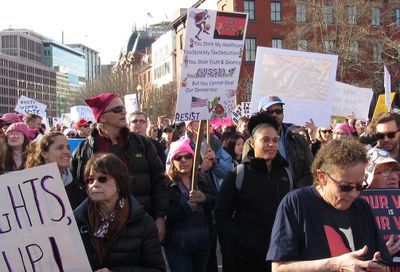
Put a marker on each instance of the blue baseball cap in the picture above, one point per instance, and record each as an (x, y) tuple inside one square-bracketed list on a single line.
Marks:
[(268, 101)]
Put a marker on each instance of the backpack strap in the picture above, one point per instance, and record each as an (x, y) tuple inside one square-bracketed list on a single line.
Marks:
[(239, 176), (290, 177)]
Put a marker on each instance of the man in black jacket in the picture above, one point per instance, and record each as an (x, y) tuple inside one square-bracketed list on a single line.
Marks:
[(148, 183)]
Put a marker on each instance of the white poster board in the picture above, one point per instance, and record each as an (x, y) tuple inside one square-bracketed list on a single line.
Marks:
[(348, 99), (387, 82), (38, 228), (28, 105), (211, 64), (131, 103), (304, 81), (81, 112)]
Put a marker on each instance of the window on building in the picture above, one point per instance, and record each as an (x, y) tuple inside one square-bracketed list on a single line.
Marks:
[(353, 50), (329, 46), (376, 16), (276, 11), (351, 10), (250, 49), (328, 14), (248, 6), (277, 43), (397, 17), (300, 12), (302, 45), (377, 51), (181, 41)]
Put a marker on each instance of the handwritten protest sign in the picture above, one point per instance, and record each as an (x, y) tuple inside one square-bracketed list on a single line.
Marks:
[(380, 104), (28, 105), (131, 103), (348, 99), (38, 231), (81, 112), (385, 205), (304, 81), (211, 64)]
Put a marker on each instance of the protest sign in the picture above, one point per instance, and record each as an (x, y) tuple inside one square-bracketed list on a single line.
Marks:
[(131, 103), (348, 99), (221, 122), (74, 143), (387, 83), (38, 229), (236, 114), (385, 205), (211, 64), (381, 104), (81, 112), (28, 105), (304, 81), (246, 109)]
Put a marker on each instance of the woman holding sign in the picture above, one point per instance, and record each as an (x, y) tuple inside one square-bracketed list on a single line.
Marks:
[(189, 225), (117, 233), (54, 147)]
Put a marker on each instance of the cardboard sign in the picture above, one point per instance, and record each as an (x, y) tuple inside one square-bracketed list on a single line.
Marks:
[(246, 109), (385, 205), (27, 105), (304, 81), (81, 112), (131, 103), (348, 99), (38, 231), (380, 104), (212, 56), (236, 114)]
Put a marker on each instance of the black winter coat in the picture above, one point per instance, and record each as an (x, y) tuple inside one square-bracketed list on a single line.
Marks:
[(245, 218), (136, 248), (148, 183)]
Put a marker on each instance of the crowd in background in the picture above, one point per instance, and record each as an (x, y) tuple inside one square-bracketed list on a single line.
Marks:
[(129, 183)]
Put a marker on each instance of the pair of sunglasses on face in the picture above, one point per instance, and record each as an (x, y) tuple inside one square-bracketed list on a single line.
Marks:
[(186, 156), (347, 187), (390, 135), (135, 121), (92, 179), (277, 111), (117, 109)]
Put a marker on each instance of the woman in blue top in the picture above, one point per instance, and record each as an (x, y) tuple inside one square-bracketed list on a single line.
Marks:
[(189, 228)]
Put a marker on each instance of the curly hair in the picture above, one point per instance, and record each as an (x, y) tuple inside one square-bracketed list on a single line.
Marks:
[(341, 153), (36, 150)]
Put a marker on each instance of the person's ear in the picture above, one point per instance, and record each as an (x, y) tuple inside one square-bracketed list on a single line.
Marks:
[(251, 142), (44, 155), (321, 177)]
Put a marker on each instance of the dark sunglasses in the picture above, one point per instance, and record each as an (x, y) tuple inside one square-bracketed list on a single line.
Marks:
[(91, 179), (347, 187), (186, 156), (7, 124), (118, 109), (326, 131), (277, 111), (135, 121), (390, 135), (86, 126)]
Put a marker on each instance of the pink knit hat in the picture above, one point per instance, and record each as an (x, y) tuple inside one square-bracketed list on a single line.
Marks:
[(20, 126), (11, 117), (99, 103), (345, 127), (180, 147)]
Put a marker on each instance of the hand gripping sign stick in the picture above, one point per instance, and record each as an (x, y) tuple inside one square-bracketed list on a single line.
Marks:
[(197, 153)]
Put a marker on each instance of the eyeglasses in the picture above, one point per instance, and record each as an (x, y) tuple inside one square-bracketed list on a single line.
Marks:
[(186, 156), (117, 109), (390, 135), (326, 131), (91, 179), (70, 135), (347, 187), (135, 121), (386, 172), (277, 111)]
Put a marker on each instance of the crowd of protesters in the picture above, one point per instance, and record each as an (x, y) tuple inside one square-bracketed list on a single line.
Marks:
[(276, 196)]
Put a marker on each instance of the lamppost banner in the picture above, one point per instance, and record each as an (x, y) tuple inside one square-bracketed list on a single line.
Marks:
[(212, 56)]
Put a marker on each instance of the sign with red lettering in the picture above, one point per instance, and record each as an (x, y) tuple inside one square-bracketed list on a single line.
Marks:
[(385, 205), (38, 231)]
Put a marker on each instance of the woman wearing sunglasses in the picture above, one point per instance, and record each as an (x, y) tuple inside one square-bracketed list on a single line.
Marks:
[(54, 147), (17, 143), (117, 233), (189, 225), (327, 227)]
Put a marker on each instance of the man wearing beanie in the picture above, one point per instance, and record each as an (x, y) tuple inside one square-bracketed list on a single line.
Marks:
[(148, 183)]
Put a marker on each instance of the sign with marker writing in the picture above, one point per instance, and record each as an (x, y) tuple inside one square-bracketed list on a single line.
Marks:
[(385, 205), (28, 105), (211, 61), (38, 231)]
